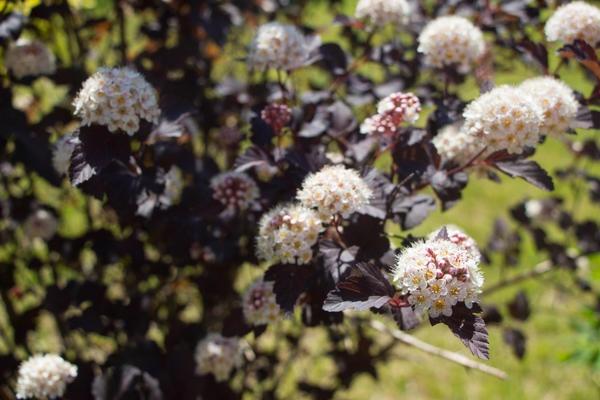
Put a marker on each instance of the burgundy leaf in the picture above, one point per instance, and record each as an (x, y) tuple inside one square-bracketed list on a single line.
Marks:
[(528, 170), (290, 282)]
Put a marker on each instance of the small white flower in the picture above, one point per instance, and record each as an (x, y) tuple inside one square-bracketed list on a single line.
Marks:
[(534, 208), (117, 98), (381, 12), (576, 20), (278, 46), (41, 223), (287, 234), (420, 300), (29, 58), (259, 304), (334, 190), (44, 376), (235, 190), (454, 144), (61, 154), (505, 118), (218, 355), (557, 101), (440, 306), (457, 291), (451, 40)]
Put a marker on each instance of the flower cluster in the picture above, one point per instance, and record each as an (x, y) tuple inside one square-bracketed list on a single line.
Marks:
[(218, 355), (392, 111), (381, 12), (440, 272), (334, 190), (235, 190), (41, 223), (61, 154), (451, 41), (287, 234), (278, 46), (44, 376), (276, 115), (505, 118), (576, 20), (454, 144), (259, 303), (457, 236), (118, 98), (557, 101), (29, 58)]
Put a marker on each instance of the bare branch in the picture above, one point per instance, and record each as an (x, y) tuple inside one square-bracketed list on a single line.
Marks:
[(540, 269), (436, 351)]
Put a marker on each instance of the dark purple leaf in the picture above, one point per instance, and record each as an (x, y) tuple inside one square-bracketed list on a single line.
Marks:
[(290, 281), (519, 307), (336, 258), (405, 317), (528, 170), (469, 328), (516, 339), (11, 26)]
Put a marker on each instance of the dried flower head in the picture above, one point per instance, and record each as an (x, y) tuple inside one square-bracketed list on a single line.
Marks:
[(334, 190), (29, 58), (438, 273), (277, 115), (576, 20), (451, 41), (61, 154), (235, 190), (259, 304), (454, 144), (117, 98), (381, 12), (556, 100), (287, 234), (44, 376), (505, 118), (41, 223), (278, 46), (218, 355)]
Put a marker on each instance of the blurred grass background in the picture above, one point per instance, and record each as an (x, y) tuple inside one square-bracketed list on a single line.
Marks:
[(542, 374)]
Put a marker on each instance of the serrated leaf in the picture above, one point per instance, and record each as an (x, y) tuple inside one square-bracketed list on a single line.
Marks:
[(469, 328), (289, 282), (516, 339), (405, 318), (527, 170), (365, 287)]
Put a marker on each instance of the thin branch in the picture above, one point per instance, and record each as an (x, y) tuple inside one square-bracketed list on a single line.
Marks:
[(540, 269), (436, 351)]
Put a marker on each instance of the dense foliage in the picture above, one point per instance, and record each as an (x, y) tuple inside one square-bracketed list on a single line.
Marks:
[(194, 160)]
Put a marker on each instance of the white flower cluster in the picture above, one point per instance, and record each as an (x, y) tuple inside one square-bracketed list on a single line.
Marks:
[(334, 190), (392, 111), (218, 355), (454, 144), (235, 190), (259, 304), (29, 58), (576, 20), (118, 98), (278, 46), (438, 273), (451, 40), (505, 118), (287, 234), (41, 223), (381, 12), (457, 236), (557, 101), (61, 153), (44, 376)]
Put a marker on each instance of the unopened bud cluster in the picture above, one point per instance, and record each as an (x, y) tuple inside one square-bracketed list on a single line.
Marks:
[(277, 116), (287, 234), (438, 273), (259, 304), (392, 111), (235, 190), (29, 58), (118, 98), (218, 355)]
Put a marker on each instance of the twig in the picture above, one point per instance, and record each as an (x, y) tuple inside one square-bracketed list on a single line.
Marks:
[(540, 269), (122, 32), (436, 351)]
